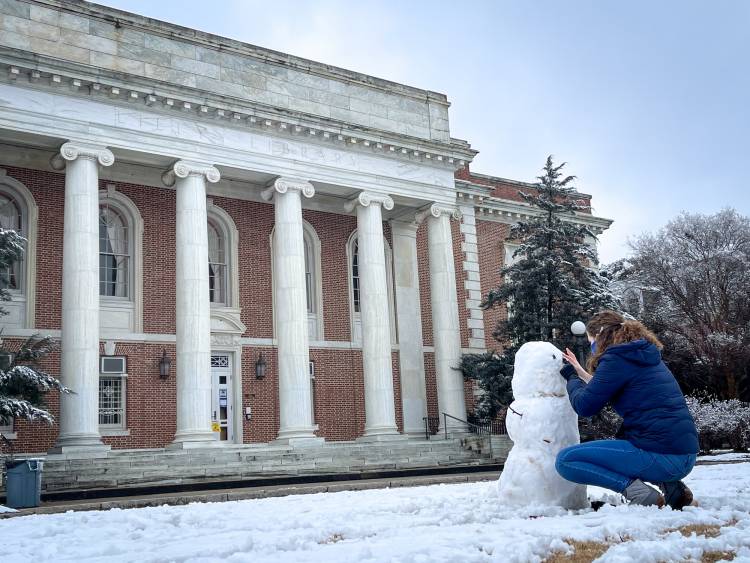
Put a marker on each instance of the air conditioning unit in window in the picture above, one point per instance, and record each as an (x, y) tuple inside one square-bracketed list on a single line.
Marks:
[(112, 364)]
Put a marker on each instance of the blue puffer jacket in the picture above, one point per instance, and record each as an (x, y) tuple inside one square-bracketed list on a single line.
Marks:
[(633, 378)]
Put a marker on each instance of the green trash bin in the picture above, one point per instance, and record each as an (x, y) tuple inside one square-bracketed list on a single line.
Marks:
[(23, 483)]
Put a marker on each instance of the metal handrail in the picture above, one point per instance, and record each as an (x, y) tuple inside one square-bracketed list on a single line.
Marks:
[(480, 431), (429, 423)]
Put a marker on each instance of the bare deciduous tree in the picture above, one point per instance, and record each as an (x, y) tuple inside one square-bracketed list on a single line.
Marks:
[(695, 280)]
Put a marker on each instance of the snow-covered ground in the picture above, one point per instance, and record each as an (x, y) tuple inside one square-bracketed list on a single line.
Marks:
[(421, 524)]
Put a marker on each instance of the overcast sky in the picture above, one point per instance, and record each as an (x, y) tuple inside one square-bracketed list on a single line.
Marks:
[(647, 101)]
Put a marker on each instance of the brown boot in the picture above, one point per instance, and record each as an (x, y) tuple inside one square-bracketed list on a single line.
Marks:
[(676, 494)]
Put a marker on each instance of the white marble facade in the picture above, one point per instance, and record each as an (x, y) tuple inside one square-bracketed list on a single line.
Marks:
[(101, 111), (133, 97)]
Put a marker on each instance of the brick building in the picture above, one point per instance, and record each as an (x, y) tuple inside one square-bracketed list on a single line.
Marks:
[(232, 243)]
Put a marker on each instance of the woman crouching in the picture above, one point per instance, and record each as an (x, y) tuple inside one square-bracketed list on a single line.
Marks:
[(657, 442)]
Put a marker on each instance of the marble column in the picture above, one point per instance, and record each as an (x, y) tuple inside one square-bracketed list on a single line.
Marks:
[(79, 370), (409, 325), (193, 309), (446, 333), (290, 302), (380, 414)]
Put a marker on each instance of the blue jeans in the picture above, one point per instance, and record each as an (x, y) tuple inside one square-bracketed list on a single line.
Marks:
[(614, 464)]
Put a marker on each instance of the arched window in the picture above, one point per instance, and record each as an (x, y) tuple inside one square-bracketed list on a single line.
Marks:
[(120, 263), (309, 278), (355, 290), (355, 276), (19, 212), (114, 253), (11, 219), (313, 281), (217, 265), (223, 259)]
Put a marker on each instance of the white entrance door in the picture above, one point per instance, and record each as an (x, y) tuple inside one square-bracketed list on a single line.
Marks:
[(221, 402)]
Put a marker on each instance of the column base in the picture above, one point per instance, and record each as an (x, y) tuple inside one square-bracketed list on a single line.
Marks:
[(301, 442), (303, 433), (71, 452), (394, 437), (196, 439), (85, 445), (414, 434)]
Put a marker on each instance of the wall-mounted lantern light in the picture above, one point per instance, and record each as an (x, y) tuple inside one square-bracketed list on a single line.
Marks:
[(164, 365), (260, 367), (6, 360)]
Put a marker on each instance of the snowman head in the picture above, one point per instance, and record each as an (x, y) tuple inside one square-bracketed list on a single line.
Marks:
[(536, 371)]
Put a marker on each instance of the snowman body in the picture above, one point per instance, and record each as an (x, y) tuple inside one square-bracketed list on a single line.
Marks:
[(540, 422)]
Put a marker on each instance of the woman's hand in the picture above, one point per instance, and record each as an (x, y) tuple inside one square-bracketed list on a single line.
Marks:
[(570, 357)]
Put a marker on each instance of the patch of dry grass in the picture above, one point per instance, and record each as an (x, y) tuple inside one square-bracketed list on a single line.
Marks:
[(332, 539), (585, 551), (588, 551), (714, 556)]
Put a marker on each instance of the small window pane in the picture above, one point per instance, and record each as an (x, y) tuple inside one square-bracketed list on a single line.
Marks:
[(114, 254), (111, 401), (355, 276), (10, 219), (309, 278), (217, 266)]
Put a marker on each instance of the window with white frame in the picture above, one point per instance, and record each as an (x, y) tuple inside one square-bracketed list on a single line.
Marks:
[(114, 253), (19, 212), (355, 287), (355, 276), (6, 426), (309, 278), (313, 280), (217, 264), (12, 219), (112, 392)]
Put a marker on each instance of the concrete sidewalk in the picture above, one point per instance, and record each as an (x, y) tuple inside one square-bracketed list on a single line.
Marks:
[(223, 495)]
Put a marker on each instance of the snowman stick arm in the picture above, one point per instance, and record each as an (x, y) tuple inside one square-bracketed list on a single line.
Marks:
[(587, 399)]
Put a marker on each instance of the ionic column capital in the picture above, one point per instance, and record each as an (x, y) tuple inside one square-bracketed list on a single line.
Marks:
[(436, 210), (73, 150), (282, 185), (185, 168), (364, 199)]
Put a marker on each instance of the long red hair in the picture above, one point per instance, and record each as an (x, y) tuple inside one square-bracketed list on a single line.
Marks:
[(610, 328)]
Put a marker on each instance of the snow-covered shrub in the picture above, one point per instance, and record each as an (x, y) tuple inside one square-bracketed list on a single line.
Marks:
[(721, 424)]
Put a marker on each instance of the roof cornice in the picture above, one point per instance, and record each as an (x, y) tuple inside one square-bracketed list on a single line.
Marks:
[(74, 79), (490, 208)]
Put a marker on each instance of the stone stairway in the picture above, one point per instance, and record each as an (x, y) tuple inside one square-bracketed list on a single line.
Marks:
[(123, 469)]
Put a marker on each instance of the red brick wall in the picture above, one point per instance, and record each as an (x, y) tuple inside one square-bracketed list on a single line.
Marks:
[(490, 237), (509, 190), (151, 416), (151, 400)]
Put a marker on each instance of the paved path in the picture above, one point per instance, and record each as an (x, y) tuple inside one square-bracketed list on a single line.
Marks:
[(222, 495)]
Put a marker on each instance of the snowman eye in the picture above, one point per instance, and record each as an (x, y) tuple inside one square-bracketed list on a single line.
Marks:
[(554, 357)]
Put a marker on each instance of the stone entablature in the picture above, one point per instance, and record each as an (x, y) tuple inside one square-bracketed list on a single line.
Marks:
[(491, 208), (159, 60)]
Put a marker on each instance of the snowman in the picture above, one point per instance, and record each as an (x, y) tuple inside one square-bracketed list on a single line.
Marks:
[(540, 422)]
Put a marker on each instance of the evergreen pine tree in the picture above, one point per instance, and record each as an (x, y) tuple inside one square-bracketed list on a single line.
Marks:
[(553, 282), (22, 382)]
